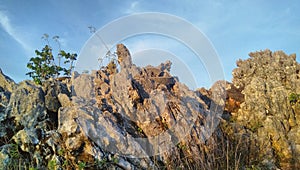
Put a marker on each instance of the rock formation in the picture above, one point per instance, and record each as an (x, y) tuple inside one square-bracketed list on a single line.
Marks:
[(144, 118), (260, 103), (6, 88), (127, 119)]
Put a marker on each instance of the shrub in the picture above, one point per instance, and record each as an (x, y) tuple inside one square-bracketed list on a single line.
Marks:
[(43, 65)]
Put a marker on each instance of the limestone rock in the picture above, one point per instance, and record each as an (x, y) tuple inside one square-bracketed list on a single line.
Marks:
[(26, 139), (51, 90), (144, 118), (64, 100), (82, 87), (27, 105), (7, 85), (144, 102), (66, 123), (266, 80), (124, 57), (5, 159)]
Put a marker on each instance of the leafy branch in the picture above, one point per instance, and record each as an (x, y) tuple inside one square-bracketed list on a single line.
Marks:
[(43, 65)]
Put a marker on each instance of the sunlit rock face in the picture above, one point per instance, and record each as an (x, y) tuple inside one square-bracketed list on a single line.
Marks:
[(107, 119), (267, 79), (127, 117)]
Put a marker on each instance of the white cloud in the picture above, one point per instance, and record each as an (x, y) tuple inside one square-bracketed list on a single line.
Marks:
[(6, 25), (133, 8)]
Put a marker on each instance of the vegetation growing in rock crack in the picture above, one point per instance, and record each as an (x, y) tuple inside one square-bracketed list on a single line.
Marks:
[(43, 66), (294, 98)]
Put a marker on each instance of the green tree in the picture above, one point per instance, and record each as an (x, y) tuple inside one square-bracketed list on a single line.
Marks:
[(43, 65)]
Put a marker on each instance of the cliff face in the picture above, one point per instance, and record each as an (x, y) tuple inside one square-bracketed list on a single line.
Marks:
[(129, 117)]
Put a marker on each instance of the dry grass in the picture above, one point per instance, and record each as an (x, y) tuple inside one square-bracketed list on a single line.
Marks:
[(221, 151)]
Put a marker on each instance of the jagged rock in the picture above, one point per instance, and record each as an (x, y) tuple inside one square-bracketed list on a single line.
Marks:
[(27, 105), (165, 66), (107, 134), (267, 79), (124, 58), (27, 139), (141, 118), (79, 124), (51, 90), (148, 91), (66, 123), (64, 100), (148, 99), (82, 86), (7, 85), (5, 158)]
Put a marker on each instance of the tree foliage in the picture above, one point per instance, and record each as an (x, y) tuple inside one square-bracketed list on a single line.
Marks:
[(43, 66)]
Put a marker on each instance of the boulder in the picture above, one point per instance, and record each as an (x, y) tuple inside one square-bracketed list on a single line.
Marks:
[(27, 105)]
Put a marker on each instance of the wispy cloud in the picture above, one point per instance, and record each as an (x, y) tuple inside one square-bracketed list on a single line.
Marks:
[(6, 25), (133, 8)]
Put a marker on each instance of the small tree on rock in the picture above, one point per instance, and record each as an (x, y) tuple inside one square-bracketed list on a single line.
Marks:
[(43, 65)]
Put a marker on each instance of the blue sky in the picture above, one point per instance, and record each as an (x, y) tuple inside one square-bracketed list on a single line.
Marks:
[(235, 28)]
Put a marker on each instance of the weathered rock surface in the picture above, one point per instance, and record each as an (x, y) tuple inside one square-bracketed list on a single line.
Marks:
[(144, 118), (266, 81), (114, 119), (52, 89), (7, 85), (27, 105), (138, 107)]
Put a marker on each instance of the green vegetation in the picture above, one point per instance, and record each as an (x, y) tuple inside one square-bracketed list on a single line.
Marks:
[(43, 66), (31, 168), (255, 126), (81, 165), (181, 146), (114, 160), (294, 98), (14, 151), (52, 165), (253, 167), (102, 164), (105, 163), (140, 130)]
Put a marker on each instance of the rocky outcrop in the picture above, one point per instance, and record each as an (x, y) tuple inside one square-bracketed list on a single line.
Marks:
[(138, 107), (52, 89), (266, 80), (7, 85), (132, 117)]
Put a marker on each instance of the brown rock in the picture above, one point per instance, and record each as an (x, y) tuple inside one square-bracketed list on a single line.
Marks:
[(266, 80)]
